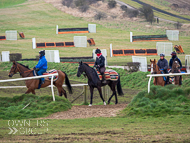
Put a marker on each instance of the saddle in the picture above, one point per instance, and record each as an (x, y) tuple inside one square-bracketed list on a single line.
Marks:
[(109, 75), (53, 71)]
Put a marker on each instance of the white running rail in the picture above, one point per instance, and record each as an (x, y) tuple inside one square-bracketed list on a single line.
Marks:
[(34, 77), (158, 75)]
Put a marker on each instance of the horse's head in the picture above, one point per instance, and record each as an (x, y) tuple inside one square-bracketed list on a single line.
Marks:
[(175, 65), (14, 69), (80, 69), (153, 66)]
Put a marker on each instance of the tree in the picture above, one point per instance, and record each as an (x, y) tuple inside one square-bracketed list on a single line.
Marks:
[(148, 13)]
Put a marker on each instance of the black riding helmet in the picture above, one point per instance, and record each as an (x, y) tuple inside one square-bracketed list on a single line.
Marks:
[(173, 54), (97, 51), (42, 53)]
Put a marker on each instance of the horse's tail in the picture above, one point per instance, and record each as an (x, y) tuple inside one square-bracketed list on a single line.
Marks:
[(67, 82), (119, 89)]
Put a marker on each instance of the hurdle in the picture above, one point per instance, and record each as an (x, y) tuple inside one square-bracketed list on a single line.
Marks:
[(143, 38), (51, 44), (90, 29), (134, 52), (12, 35)]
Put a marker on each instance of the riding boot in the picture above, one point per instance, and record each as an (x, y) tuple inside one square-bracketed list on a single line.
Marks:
[(42, 80), (103, 79)]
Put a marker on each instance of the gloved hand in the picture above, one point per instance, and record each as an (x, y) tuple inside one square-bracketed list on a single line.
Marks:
[(161, 69), (98, 65), (34, 68)]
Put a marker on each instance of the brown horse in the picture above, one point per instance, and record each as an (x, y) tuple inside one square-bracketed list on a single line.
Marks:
[(155, 70), (34, 83), (175, 69)]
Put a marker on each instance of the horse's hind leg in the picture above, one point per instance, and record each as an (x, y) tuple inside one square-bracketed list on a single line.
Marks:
[(28, 91), (114, 93), (64, 92), (33, 92)]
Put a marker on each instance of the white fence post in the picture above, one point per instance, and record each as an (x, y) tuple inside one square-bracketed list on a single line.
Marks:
[(33, 43), (131, 36), (52, 88), (149, 84), (111, 50), (56, 29)]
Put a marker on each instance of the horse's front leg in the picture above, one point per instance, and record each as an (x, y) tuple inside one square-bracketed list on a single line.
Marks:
[(91, 97), (100, 92)]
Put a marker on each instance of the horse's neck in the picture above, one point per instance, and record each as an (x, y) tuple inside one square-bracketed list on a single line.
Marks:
[(157, 69), (23, 71), (89, 72)]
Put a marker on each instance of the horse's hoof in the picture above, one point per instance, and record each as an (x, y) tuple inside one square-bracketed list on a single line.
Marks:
[(108, 102), (104, 103), (90, 105)]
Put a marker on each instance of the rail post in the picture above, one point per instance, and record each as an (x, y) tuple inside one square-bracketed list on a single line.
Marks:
[(85, 94), (149, 84), (52, 88)]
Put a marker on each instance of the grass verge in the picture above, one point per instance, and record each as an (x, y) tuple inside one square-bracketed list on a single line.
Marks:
[(161, 101), (39, 106)]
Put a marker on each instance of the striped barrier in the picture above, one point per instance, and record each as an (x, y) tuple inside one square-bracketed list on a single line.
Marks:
[(136, 52)]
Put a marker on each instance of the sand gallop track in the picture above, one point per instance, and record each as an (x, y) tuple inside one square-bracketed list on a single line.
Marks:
[(85, 111)]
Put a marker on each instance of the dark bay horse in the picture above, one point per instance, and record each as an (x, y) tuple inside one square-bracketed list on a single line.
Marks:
[(94, 82), (34, 83), (155, 70), (175, 69)]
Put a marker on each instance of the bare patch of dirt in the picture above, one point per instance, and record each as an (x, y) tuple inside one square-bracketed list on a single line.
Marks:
[(85, 111)]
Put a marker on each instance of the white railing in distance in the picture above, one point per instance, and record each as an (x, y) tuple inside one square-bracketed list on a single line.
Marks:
[(158, 75)]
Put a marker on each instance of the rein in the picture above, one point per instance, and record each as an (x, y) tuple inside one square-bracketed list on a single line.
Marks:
[(22, 72)]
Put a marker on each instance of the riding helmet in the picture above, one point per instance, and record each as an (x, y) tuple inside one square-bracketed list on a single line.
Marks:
[(173, 53), (97, 51), (162, 55), (42, 53)]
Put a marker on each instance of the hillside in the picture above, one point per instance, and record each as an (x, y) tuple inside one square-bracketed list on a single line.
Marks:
[(38, 19)]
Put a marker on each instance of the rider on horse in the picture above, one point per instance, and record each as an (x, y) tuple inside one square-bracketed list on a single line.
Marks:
[(42, 65), (163, 65), (174, 56), (100, 64)]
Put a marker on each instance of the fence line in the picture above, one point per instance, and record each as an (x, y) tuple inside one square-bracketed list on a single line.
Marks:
[(159, 75)]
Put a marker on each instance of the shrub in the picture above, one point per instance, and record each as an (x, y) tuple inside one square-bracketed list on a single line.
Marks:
[(124, 7), (131, 13), (148, 13), (112, 4), (100, 15), (67, 3), (84, 8), (80, 3)]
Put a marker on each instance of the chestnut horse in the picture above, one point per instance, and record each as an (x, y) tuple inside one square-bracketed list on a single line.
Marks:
[(34, 83), (155, 70)]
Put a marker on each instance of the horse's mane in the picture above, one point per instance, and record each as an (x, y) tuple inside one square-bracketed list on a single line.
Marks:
[(87, 65), (23, 65)]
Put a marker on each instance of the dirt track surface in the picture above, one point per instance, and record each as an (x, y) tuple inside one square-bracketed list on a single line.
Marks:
[(84, 111)]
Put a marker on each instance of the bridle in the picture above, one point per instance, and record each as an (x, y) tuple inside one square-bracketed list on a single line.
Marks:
[(17, 67)]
